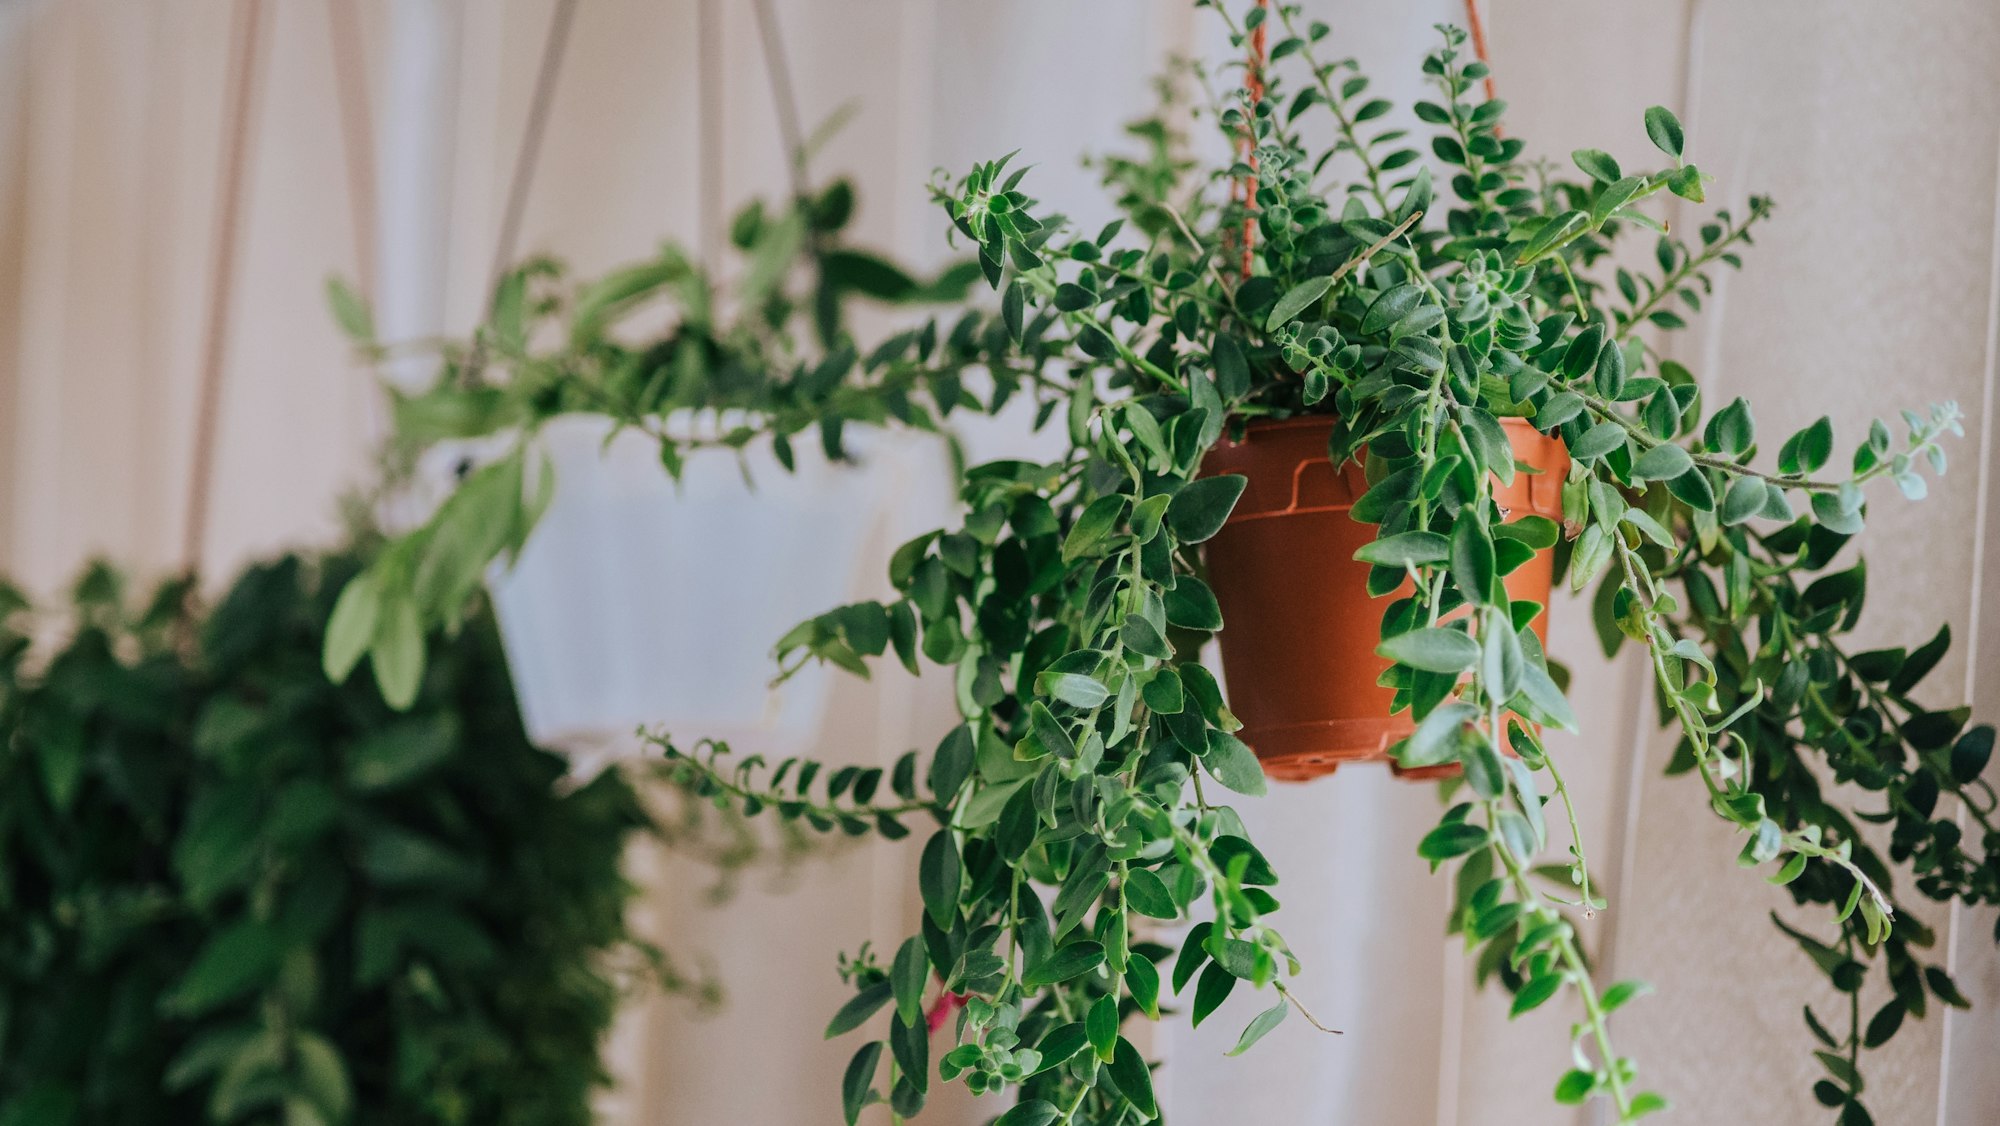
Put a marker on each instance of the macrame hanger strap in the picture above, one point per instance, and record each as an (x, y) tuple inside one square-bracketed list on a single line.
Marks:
[(244, 84)]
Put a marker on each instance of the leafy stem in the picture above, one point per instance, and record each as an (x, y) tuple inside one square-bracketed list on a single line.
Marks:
[(1343, 117), (703, 774), (1691, 265)]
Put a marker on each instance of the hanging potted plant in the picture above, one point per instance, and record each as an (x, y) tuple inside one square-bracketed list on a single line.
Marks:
[(1449, 371), (1298, 511), (642, 451)]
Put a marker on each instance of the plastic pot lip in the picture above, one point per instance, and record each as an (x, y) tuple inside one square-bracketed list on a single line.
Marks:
[(1326, 421)]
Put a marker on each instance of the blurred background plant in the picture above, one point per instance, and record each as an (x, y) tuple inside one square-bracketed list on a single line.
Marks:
[(231, 891)]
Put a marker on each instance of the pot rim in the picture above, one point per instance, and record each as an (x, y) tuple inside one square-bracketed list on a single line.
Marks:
[(1300, 421)]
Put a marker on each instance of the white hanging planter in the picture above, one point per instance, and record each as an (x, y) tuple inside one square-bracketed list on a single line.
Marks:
[(642, 602)]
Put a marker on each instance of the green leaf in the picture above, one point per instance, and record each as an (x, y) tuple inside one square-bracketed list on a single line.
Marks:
[(1049, 731), (1550, 234), (1074, 689), (910, 974), (1970, 754), (1503, 664), (1453, 838), (1060, 1045), (1191, 604), (1791, 870), (1614, 196), (403, 750), (1142, 980), (1232, 371), (1064, 963), (1523, 837), (236, 960), (910, 1047), (1838, 1066), (1393, 305), (1071, 297), (1537, 532), (939, 874), (323, 1075), (1013, 307), (1295, 301), (1210, 990), (1134, 1079), (1147, 894), (1034, 1112), (1743, 500), (1665, 131), (952, 764), (398, 652), (1661, 463), (1473, 567), (1829, 511), (1546, 698), (1192, 954), (1093, 527), (1648, 1102), (1731, 430), (1610, 369), (1883, 1025), (1259, 1025), (1418, 198), (1535, 993), (1944, 988), (1616, 996), (1233, 764), (1165, 693), (1560, 408), (1100, 1024), (1597, 164), (1149, 514), (857, 1086), (1807, 450), (1405, 549), (351, 628), (1436, 649), (1141, 636), (1597, 441), (1435, 740), (350, 312), (1574, 1087), (868, 275), (859, 1008), (1202, 506), (1685, 182)]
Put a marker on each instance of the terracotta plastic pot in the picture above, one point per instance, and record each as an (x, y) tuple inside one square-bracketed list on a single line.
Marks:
[(1299, 628)]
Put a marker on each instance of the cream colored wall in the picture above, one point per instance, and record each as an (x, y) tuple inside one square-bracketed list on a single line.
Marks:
[(114, 168), (1871, 123)]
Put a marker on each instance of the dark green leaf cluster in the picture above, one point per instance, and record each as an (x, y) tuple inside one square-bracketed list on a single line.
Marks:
[(1833, 715), (231, 891), (1085, 727)]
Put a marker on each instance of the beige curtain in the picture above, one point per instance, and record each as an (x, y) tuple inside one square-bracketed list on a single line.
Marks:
[(1874, 287)]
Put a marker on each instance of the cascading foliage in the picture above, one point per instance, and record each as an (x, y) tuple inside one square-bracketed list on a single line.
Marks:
[(1074, 814)]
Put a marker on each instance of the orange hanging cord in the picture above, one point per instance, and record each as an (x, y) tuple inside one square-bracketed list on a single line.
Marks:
[(1253, 85)]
